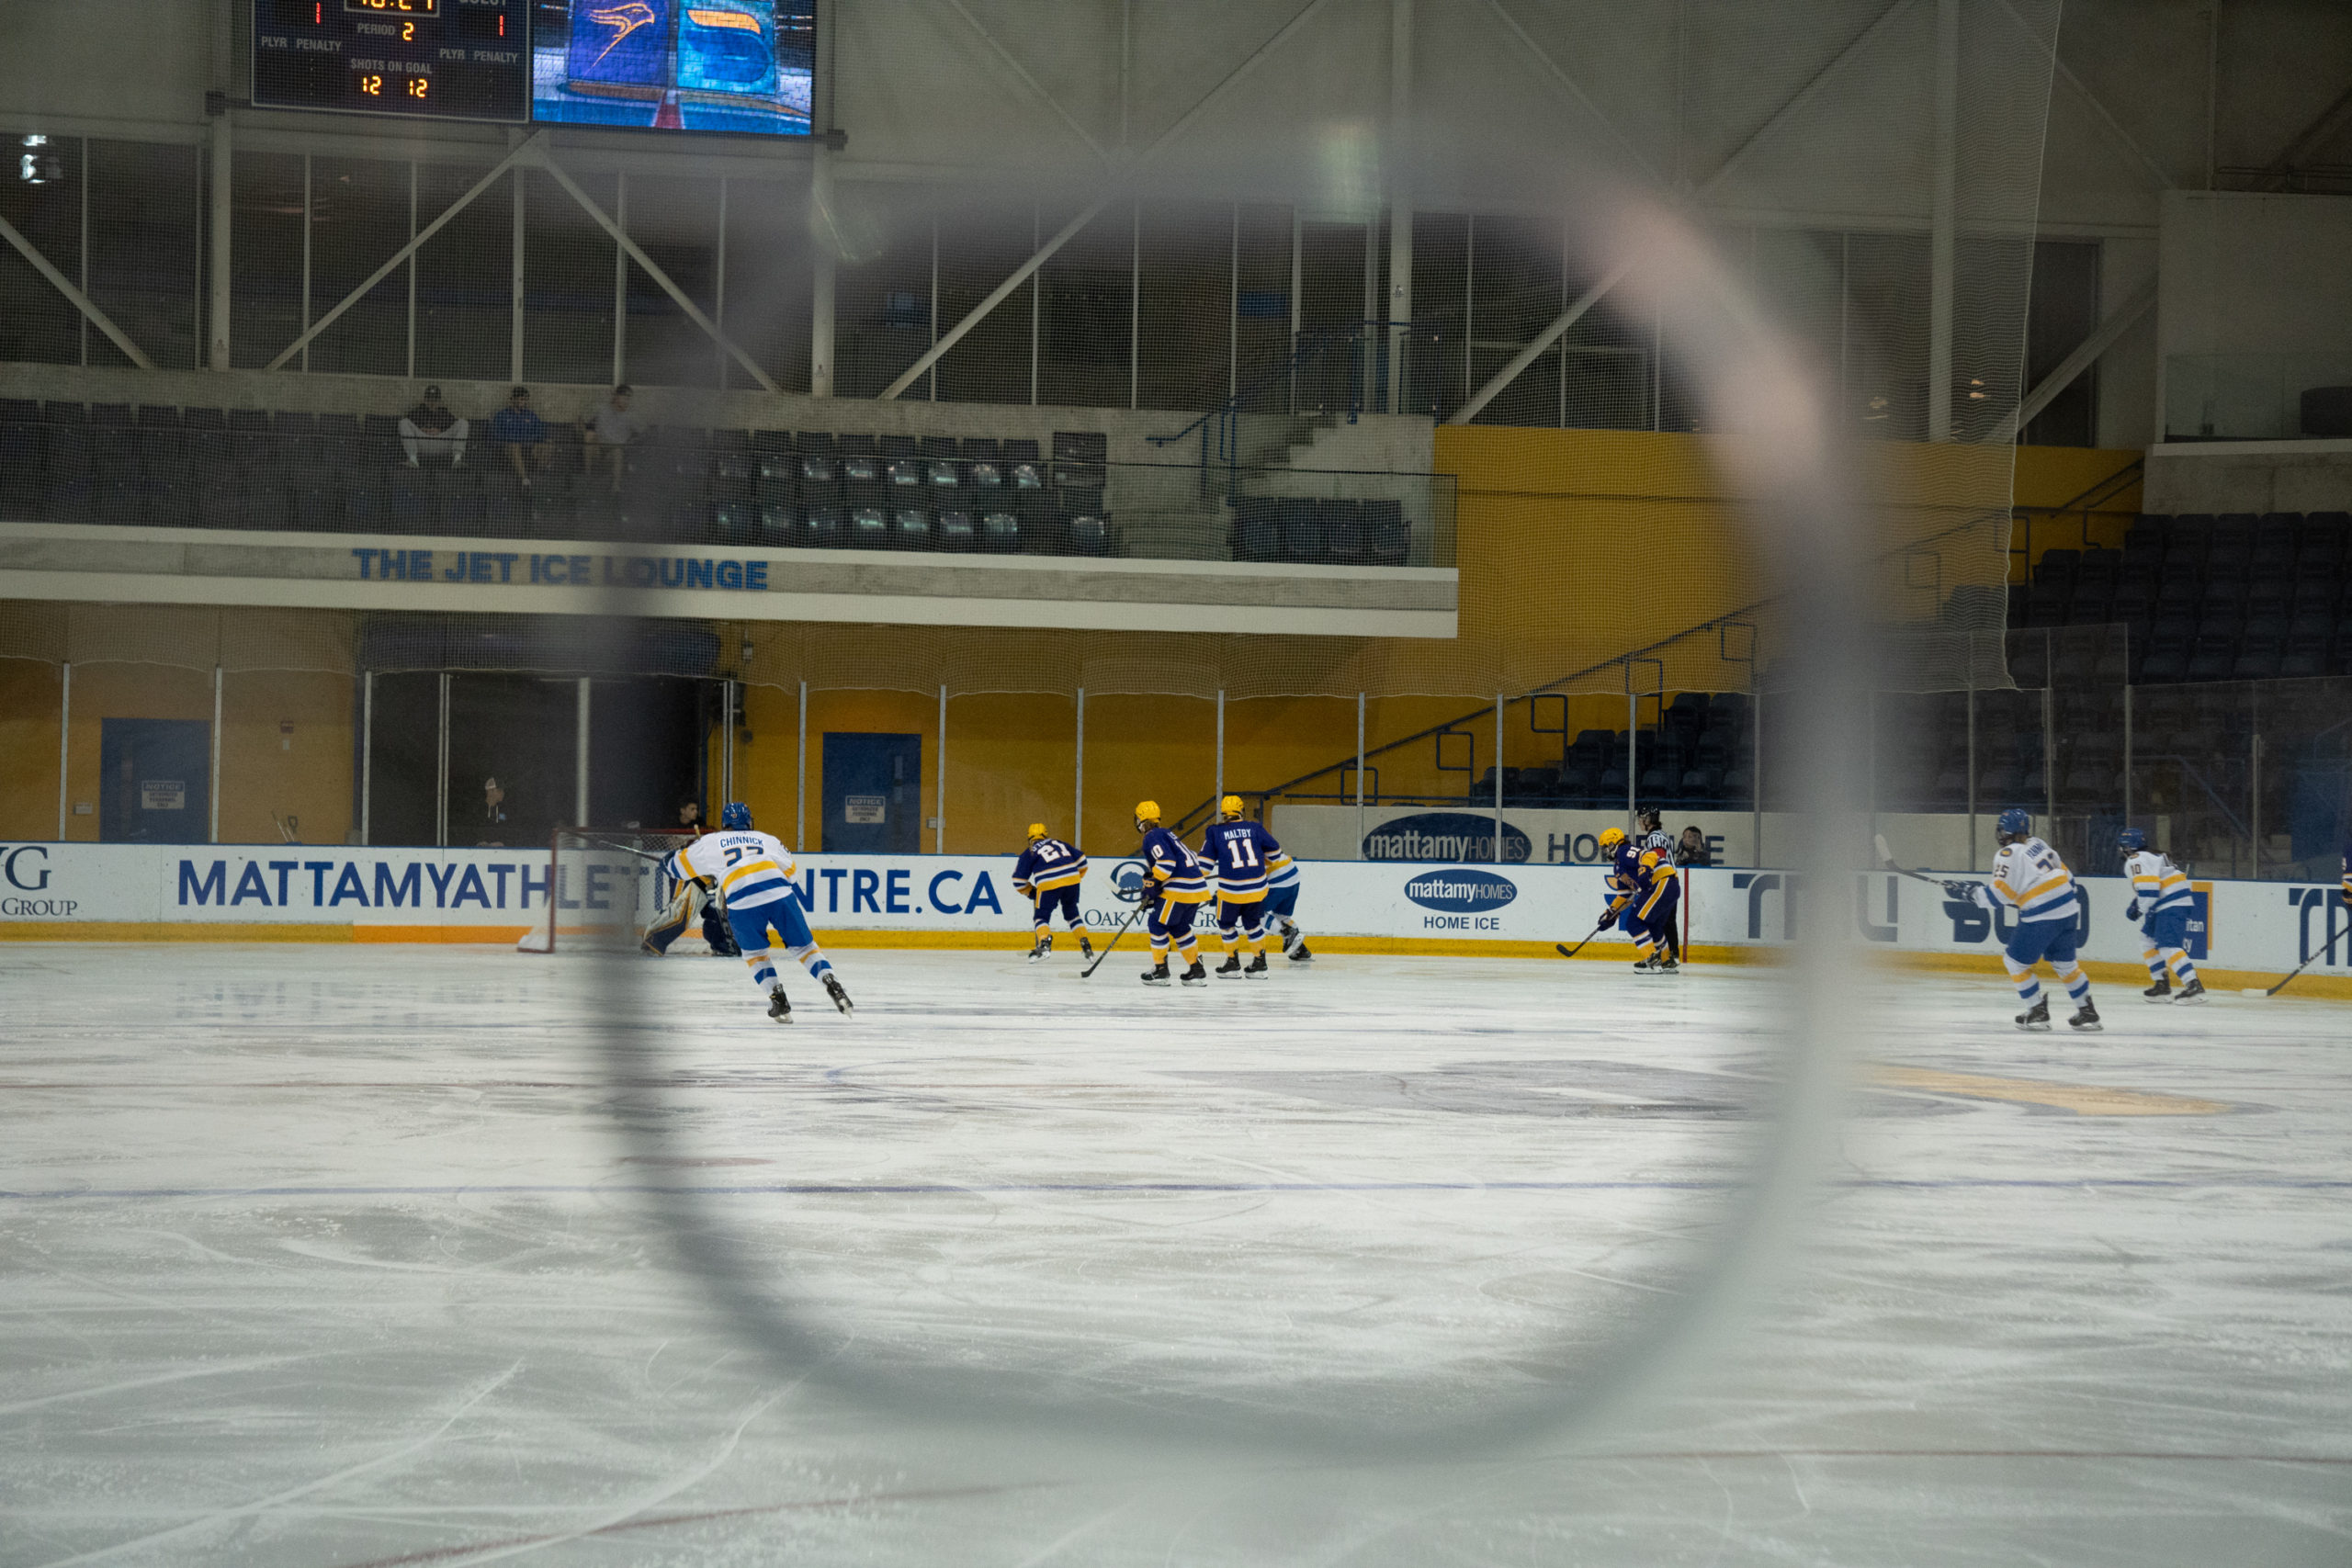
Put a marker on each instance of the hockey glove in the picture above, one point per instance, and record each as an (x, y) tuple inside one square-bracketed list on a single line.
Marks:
[(1978, 897), (2131, 911), (1958, 890)]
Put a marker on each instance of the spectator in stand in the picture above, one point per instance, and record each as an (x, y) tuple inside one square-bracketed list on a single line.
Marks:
[(1691, 849), (612, 427), (430, 431), (523, 435)]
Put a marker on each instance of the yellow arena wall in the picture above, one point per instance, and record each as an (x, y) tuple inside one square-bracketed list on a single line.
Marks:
[(1573, 547)]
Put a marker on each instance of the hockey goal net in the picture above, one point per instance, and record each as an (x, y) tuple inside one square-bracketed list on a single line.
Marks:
[(604, 887)]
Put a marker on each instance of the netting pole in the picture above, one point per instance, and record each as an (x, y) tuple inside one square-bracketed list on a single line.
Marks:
[(1633, 738), (1359, 776), (441, 777), (2127, 752), (367, 756), (222, 221), (820, 278), (306, 260), (1220, 743), (214, 802), (2254, 783), (939, 841), (2049, 738), (515, 298), (1498, 778), (1943, 220), (727, 751), (800, 795), (1400, 201), (1077, 795), (64, 746), (1972, 755), (1755, 765), (620, 285), (579, 759), (412, 269)]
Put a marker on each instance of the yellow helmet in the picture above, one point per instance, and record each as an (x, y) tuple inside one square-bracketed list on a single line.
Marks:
[(1147, 815), (1230, 808), (1611, 838), (1036, 831)]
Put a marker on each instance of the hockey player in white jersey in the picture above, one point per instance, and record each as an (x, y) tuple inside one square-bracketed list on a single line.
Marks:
[(2028, 877), (752, 871), (2161, 902)]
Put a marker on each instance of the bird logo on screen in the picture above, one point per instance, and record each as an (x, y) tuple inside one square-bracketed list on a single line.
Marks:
[(623, 19)]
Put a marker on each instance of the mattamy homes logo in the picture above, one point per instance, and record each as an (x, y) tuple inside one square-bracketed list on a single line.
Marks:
[(1444, 836), (1461, 892)]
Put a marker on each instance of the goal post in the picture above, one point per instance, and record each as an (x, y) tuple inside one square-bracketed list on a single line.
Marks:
[(604, 887)]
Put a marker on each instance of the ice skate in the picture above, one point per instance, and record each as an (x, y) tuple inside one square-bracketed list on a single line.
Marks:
[(833, 990), (1290, 938), (2192, 992), (1231, 968), (1196, 975), (2087, 1020), (1667, 965), (1257, 970), (1299, 954), (1085, 948), (1155, 976), (2037, 1017), (1044, 946), (779, 1009), (1646, 966), (2159, 992)]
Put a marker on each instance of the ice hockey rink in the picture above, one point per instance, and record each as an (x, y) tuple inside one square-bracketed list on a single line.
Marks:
[(334, 1256)]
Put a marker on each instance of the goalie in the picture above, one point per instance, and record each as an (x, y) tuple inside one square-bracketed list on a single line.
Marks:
[(690, 902)]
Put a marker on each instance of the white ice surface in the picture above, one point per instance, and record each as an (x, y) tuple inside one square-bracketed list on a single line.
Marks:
[(339, 1255)]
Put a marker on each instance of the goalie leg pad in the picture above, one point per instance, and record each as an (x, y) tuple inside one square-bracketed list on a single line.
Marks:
[(671, 923)]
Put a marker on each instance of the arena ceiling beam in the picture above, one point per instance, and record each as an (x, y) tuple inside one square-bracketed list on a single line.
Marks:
[(1070, 230), (1030, 82), (1568, 88), (525, 152), (2310, 140), (2157, 175), (2086, 353), (652, 269), (1788, 108), (81, 302)]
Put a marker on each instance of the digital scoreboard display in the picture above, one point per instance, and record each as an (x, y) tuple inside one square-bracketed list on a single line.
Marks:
[(439, 59), (741, 66)]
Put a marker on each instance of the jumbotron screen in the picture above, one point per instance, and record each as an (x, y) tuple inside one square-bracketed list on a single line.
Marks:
[(741, 66), (738, 66)]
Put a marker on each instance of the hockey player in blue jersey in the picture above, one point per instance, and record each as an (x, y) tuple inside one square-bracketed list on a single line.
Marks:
[(751, 872), (1282, 910), (1624, 858), (1047, 873), (1174, 886), (2028, 877), (2161, 901), (1243, 855)]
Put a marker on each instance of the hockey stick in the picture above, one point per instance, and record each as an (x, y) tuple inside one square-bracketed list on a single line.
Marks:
[(625, 849), (2306, 963), (1107, 946), (1886, 862), (1566, 951)]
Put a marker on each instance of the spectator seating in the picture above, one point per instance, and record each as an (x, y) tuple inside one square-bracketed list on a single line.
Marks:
[(1700, 757), (288, 469), (1320, 533), (2236, 597)]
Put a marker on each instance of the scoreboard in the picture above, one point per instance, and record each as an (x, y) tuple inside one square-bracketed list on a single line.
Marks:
[(435, 58)]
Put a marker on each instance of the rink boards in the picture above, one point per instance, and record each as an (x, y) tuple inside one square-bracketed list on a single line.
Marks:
[(99, 892)]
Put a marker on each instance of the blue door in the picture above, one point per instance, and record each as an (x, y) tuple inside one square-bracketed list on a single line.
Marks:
[(873, 795), (153, 781)]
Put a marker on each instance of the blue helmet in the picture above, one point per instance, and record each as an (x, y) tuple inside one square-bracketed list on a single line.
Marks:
[(2130, 841), (2016, 822), (736, 817)]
